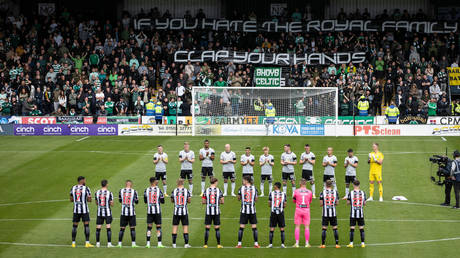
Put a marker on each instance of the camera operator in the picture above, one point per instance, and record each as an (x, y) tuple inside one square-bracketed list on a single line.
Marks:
[(455, 176)]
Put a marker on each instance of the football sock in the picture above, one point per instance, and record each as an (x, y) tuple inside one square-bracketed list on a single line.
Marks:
[(240, 234), (307, 234), (233, 187), (297, 235), (109, 235), (120, 235), (203, 184), (149, 233), (371, 190), (218, 235), (270, 186), (186, 238), (323, 237), (336, 236), (190, 187), (255, 234), (87, 232), (98, 235), (352, 234), (361, 231), (261, 188), (284, 189), (133, 235), (313, 188), (206, 236), (174, 238), (74, 232), (165, 187), (347, 190), (381, 190), (270, 237), (225, 187), (283, 236), (159, 234)]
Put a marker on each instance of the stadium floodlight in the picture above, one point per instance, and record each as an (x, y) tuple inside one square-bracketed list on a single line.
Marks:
[(243, 107)]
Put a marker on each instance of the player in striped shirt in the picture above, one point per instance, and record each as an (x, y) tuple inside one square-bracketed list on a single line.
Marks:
[(128, 198), (104, 202), (186, 159), (302, 198), (228, 160), (207, 155), (180, 197), (277, 203), (350, 164), (248, 196), (266, 161), (288, 160), (308, 160), (329, 199), (212, 198), (357, 200), (153, 197), (160, 159), (80, 195), (247, 161)]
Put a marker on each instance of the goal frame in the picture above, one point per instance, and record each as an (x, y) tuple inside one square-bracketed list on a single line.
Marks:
[(334, 89)]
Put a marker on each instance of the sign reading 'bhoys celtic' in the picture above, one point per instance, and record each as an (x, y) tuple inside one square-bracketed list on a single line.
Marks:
[(268, 77)]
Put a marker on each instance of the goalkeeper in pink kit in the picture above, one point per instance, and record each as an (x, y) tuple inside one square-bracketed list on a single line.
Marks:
[(302, 198)]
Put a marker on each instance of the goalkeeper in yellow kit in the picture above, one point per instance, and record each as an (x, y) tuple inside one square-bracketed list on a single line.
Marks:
[(375, 171)]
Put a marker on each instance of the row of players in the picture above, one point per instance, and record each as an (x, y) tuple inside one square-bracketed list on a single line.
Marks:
[(266, 162), (212, 198)]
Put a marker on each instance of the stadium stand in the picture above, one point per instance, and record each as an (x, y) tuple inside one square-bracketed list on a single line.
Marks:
[(66, 65)]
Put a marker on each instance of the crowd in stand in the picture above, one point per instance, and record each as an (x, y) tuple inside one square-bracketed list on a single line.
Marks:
[(61, 65)]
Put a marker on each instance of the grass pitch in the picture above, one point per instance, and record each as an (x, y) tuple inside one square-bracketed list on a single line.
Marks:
[(38, 172)]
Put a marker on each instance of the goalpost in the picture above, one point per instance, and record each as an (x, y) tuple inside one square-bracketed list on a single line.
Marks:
[(241, 108)]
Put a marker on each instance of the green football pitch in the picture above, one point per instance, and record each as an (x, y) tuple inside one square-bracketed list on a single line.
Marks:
[(37, 173)]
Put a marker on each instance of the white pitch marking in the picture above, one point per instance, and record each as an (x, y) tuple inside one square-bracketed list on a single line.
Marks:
[(31, 202), (81, 139), (444, 139), (289, 219), (196, 247)]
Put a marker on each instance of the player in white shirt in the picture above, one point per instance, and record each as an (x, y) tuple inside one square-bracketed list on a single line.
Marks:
[(350, 164), (266, 161), (329, 164), (228, 160), (247, 160), (308, 160), (207, 155), (160, 159), (288, 160), (186, 158)]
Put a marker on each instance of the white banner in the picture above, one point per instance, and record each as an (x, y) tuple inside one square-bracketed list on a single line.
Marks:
[(407, 130), (444, 120), (154, 130), (253, 130)]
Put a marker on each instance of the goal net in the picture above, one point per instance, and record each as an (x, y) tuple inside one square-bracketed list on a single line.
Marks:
[(262, 110)]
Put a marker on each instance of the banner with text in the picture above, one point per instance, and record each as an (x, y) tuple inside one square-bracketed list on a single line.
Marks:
[(283, 59), (268, 77), (454, 80), (61, 129), (294, 26)]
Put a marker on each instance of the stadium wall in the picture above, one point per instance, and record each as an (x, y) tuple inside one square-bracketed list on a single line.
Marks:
[(225, 126)]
